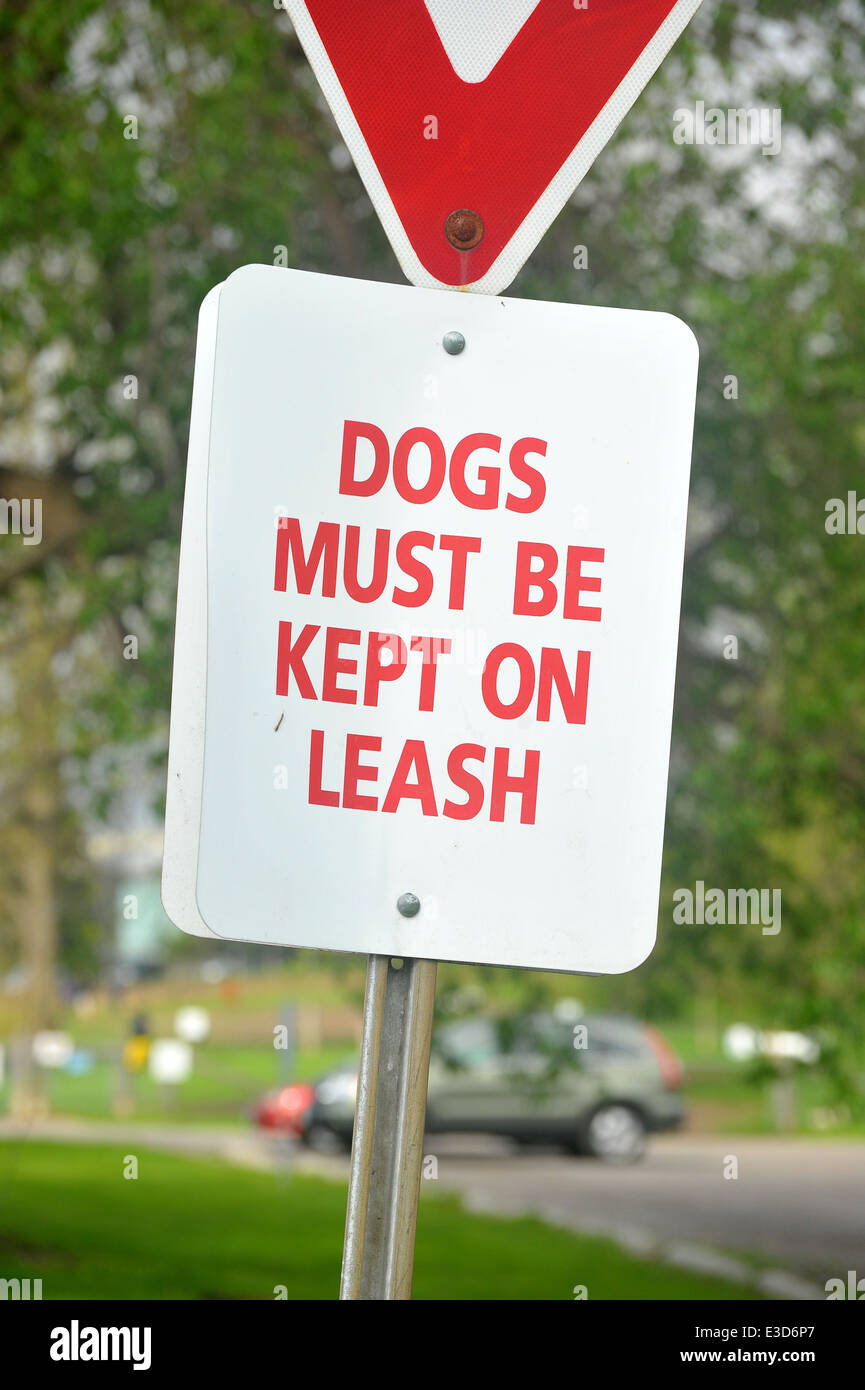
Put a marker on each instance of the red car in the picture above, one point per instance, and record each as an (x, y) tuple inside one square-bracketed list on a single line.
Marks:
[(285, 1109)]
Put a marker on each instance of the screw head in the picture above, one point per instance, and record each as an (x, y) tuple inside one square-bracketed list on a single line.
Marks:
[(453, 342), (464, 229), (408, 904)]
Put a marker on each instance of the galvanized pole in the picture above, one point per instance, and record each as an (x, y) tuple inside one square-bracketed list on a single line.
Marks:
[(387, 1148)]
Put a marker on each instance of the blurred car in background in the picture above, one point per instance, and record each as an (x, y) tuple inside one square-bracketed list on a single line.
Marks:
[(285, 1109), (598, 1087)]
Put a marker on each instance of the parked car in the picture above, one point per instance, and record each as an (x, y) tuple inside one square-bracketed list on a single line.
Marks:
[(598, 1087), (284, 1109)]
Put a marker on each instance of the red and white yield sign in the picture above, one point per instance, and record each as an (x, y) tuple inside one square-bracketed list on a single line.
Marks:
[(472, 121)]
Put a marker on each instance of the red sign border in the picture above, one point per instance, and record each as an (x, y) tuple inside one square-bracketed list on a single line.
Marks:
[(412, 218)]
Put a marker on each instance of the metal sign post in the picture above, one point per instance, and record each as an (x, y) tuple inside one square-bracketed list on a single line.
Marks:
[(387, 1148)]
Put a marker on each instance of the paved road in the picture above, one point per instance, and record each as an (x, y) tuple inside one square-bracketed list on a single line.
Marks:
[(800, 1204)]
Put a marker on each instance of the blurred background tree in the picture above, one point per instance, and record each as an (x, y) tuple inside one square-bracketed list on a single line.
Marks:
[(149, 149)]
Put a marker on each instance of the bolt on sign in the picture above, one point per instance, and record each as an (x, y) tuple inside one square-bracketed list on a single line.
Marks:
[(471, 124), (427, 625)]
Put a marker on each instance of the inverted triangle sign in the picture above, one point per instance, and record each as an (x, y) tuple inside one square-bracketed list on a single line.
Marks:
[(435, 130), (474, 48)]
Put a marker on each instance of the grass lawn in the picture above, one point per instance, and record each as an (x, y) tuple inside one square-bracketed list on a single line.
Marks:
[(199, 1229), (226, 1081)]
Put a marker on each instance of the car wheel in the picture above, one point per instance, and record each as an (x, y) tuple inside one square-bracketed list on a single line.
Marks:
[(323, 1140), (615, 1133)]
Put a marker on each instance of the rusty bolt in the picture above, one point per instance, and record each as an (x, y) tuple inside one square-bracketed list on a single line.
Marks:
[(464, 229)]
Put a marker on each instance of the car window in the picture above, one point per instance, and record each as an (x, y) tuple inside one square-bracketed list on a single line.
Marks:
[(478, 1041), (469, 1043), (541, 1035), (608, 1040)]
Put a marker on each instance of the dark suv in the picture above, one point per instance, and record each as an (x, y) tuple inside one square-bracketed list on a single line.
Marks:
[(598, 1085)]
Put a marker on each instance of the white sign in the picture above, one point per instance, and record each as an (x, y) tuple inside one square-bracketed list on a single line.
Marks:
[(52, 1049), (186, 736), (742, 1042), (192, 1024), (170, 1061), (797, 1046), (442, 597)]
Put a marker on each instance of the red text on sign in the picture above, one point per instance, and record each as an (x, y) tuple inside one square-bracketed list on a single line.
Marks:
[(420, 467), (324, 556), (412, 780), (386, 657), (536, 566)]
